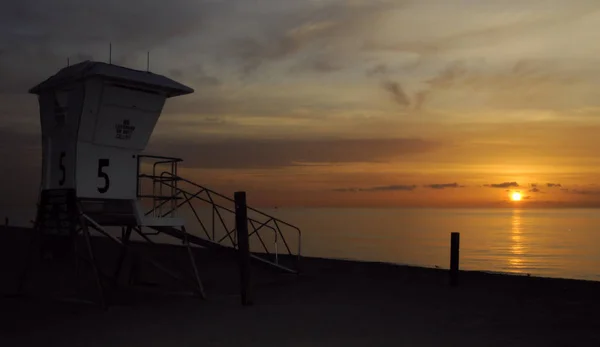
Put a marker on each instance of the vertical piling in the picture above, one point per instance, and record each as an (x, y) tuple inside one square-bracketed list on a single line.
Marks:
[(241, 226), (454, 258)]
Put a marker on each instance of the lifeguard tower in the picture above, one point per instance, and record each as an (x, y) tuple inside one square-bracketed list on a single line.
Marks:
[(97, 119)]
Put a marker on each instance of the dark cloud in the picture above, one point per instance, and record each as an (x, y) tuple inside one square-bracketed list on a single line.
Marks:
[(254, 153), (503, 185), (553, 185), (40, 44), (379, 188), (140, 24), (394, 89), (534, 190), (397, 93), (443, 185), (534, 185)]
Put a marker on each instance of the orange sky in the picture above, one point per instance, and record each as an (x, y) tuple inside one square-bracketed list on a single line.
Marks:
[(352, 103)]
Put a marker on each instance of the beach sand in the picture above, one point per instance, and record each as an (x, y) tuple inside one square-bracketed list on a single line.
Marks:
[(332, 303)]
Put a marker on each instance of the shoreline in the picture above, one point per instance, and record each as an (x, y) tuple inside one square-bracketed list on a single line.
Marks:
[(7, 231), (331, 303)]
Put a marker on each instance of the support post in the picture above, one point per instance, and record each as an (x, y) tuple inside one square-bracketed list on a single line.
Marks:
[(125, 236), (186, 241), (454, 258), (85, 230), (241, 226)]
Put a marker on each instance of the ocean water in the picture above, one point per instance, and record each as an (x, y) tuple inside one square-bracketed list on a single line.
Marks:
[(561, 243)]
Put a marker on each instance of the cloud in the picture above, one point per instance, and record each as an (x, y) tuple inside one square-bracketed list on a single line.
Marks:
[(397, 93), (40, 43), (524, 83), (379, 188), (534, 190), (553, 185), (132, 23), (503, 185), (262, 153), (483, 35), (315, 29), (443, 185)]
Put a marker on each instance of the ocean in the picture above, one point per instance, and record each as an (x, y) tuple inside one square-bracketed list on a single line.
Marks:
[(563, 243)]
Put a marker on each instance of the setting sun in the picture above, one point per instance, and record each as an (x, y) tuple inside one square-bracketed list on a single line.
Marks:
[(515, 196)]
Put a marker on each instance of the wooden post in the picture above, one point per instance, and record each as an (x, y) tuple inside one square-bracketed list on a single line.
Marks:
[(6, 221), (241, 226), (454, 258)]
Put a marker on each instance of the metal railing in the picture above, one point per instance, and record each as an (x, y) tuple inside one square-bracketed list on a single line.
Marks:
[(158, 197), (217, 220)]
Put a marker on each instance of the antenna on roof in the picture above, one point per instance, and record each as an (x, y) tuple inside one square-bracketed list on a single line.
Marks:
[(68, 62), (110, 53), (148, 62)]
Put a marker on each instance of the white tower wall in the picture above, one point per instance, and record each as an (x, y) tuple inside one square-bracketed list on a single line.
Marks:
[(96, 119), (60, 111)]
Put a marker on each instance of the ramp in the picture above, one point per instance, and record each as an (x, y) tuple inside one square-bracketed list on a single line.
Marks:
[(214, 246), (210, 217)]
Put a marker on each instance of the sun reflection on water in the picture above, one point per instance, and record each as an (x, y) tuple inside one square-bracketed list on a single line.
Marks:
[(517, 249)]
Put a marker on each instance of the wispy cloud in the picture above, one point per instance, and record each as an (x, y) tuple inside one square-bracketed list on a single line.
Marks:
[(395, 187), (503, 185), (443, 185), (397, 93), (484, 35), (312, 27)]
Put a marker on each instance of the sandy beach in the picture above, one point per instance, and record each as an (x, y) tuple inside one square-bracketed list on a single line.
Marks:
[(332, 303)]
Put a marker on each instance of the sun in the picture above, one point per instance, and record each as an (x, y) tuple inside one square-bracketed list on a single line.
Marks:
[(516, 196)]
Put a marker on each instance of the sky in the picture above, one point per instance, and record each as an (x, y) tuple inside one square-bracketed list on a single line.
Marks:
[(439, 103)]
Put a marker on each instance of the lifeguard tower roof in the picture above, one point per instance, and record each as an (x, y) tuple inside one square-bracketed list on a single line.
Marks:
[(89, 69)]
